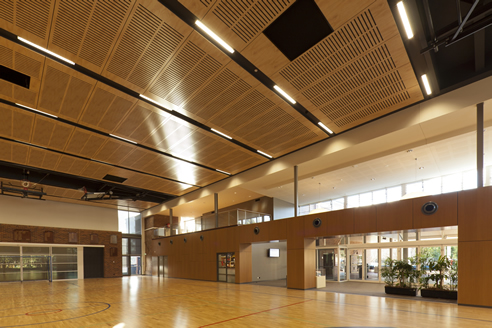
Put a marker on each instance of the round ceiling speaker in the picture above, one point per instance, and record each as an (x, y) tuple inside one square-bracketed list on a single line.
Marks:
[(257, 230)]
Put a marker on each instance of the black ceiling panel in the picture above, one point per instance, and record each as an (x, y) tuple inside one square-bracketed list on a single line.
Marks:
[(298, 29)]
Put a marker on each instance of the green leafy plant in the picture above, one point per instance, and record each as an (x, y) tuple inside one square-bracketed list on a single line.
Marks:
[(453, 275), (388, 272), (437, 271)]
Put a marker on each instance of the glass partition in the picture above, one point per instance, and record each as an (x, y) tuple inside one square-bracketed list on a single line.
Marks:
[(35, 263), (343, 264), (372, 264), (356, 268), (64, 262), (10, 263)]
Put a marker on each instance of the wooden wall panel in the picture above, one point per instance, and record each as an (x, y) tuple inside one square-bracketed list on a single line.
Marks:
[(446, 215), (278, 230), (264, 234), (395, 216), (365, 219), (310, 230), (474, 214), (295, 233), (246, 233), (340, 222), (295, 269), (475, 285), (244, 259)]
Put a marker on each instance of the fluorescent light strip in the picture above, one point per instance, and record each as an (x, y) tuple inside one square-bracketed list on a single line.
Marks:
[(153, 101), (282, 92), (426, 84), (214, 36), (222, 171), (37, 110), (133, 142), (222, 134), (264, 154), (404, 19), (45, 50), (325, 127)]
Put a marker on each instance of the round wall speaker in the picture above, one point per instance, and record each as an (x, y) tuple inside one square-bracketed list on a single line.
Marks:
[(429, 208), (171, 242), (317, 222), (159, 243), (257, 230), (201, 237), (185, 240)]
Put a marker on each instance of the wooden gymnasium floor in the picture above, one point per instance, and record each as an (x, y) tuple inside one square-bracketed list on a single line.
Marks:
[(142, 301)]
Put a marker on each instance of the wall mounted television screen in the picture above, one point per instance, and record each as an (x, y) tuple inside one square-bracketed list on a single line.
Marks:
[(273, 252)]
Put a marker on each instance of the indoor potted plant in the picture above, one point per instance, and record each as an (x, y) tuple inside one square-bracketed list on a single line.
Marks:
[(437, 271), (400, 276)]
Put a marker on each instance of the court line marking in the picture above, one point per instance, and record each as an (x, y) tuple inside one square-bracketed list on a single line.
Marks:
[(82, 316), (255, 313)]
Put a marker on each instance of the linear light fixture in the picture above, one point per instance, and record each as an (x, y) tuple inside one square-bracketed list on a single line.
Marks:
[(214, 36), (222, 171), (404, 19), (282, 92), (153, 101), (325, 127), (427, 86), (45, 50), (124, 139), (264, 154), (37, 110), (222, 134)]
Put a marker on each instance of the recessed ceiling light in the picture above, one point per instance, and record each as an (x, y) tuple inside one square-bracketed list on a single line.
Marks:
[(264, 154), (222, 171), (325, 127), (153, 101), (45, 50), (214, 36), (115, 136), (404, 19), (409, 151), (36, 110), (283, 93), (334, 187), (426, 84), (372, 179), (421, 168), (222, 134)]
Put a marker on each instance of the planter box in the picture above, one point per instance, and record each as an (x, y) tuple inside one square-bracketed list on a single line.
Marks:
[(405, 291), (439, 293)]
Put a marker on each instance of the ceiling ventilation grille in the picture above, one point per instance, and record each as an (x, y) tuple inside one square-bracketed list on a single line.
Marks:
[(33, 16), (248, 19)]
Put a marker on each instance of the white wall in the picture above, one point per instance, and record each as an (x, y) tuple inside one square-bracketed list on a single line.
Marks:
[(282, 209), (269, 268), (14, 210)]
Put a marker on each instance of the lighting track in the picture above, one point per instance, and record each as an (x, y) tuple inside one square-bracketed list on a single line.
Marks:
[(14, 38), (189, 18), (97, 161)]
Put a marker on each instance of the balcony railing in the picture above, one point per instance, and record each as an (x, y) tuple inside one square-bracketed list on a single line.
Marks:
[(207, 222)]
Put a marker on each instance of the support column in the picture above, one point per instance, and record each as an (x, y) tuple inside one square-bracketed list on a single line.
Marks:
[(480, 145), (296, 190), (216, 209), (171, 220)]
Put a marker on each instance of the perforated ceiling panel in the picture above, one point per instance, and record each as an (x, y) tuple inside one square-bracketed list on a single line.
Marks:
[(29, 19), (25, 61), (358, 73), (150, 36), (85, 31)]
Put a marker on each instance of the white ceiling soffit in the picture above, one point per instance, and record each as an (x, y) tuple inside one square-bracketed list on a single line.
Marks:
[(438, 118)]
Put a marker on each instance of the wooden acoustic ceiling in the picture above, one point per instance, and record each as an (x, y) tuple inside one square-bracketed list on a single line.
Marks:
[(129, 47)]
